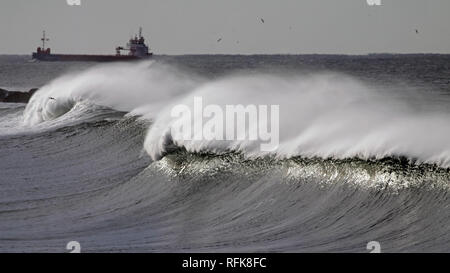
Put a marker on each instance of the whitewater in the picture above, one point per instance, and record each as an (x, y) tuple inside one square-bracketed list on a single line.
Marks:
[(326, 116), (362, 156)]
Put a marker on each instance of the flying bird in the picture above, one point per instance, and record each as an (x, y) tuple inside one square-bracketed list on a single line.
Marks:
[(417, 31), (262, 20), (220, 39)]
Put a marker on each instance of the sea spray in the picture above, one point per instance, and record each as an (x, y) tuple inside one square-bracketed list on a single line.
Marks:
[(326, 115), (123, 86), (322, 115)]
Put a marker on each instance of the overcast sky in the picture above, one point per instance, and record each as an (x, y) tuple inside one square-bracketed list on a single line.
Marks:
[(194, 26)]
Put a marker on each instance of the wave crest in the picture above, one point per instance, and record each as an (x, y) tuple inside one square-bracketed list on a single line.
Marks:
[(322, 115), (326, 116)]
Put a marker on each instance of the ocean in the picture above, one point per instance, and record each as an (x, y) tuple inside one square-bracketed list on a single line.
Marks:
[(363, 155)]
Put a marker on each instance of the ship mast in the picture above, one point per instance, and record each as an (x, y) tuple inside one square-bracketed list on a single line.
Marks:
[(44, 39)]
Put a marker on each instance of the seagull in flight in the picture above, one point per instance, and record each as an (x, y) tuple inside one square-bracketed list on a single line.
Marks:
[(262, 20)]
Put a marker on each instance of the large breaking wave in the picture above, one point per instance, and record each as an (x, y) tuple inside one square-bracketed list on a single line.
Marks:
[(329, 116), (355, 163)]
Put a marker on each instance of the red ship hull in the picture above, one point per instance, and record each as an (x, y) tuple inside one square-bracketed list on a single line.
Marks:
[(86, 58)]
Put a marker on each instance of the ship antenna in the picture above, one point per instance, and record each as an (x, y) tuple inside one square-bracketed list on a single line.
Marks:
[(44, 39), (140, 32)]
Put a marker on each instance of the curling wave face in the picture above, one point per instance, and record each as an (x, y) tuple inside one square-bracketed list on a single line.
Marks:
[(89, 182)]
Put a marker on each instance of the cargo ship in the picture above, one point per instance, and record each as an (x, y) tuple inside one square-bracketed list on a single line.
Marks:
[(136, 50)]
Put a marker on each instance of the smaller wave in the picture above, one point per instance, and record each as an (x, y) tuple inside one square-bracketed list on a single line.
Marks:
[(57, 116), (48, 108), (140, 88)]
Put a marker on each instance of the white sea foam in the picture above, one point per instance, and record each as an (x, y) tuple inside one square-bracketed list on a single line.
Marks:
[(124, 87), (324, 115)]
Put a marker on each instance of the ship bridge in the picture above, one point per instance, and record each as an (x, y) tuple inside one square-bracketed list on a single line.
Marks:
[(137, 46)]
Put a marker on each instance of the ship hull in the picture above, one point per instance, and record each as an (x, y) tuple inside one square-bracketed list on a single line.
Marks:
[(86, 58)]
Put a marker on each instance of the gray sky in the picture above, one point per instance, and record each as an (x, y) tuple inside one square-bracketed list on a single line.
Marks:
[(193, 26)]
